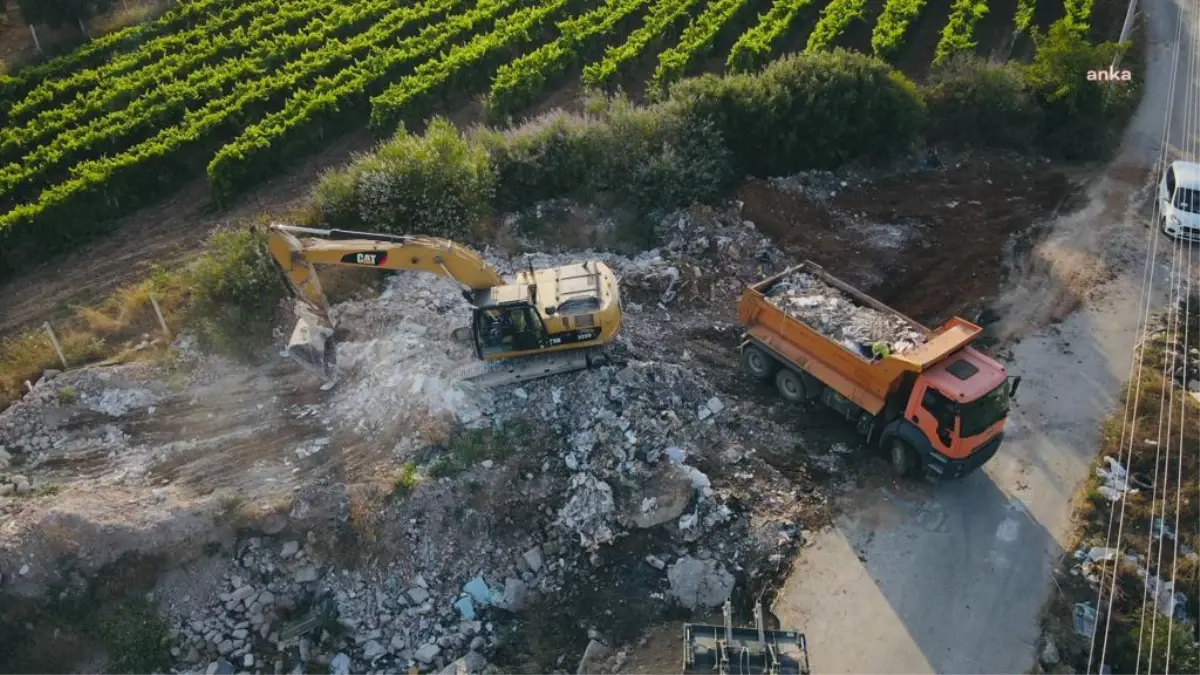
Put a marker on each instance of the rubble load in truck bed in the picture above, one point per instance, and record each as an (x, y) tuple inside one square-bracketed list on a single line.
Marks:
[(834, 314)]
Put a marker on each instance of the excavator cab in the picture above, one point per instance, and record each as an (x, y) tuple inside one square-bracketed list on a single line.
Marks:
[(507, 328)]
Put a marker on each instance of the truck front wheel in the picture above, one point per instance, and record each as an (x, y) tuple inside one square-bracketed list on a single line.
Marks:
[(790, 386), (903, 458), (758, 363)]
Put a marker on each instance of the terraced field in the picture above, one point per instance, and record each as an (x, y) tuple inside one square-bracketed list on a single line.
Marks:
[(243, 88)]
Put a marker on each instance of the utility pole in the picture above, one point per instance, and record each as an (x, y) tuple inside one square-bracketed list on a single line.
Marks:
[(1126, 29)]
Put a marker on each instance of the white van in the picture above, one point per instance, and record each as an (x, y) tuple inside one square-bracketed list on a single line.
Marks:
[(1179, 200)]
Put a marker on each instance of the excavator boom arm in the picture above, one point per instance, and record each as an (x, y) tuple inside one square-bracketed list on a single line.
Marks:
[(297, 250), (443, 257)]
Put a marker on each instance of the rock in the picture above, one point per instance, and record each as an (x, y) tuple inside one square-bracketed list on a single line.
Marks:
[(515, 595), (592, 656), (697, 584), (21, 485), (397, 643), (478, 643), (289, 549), (248, 661), (225, 648), (373, 650), (240, 634), (714, 404), (427, 653), (419, 595), (589, 510), (340, 665), (471, 664), (533, 558), (662, 499), (223, 667), (306, 574), (242, 594), (6, 489), (266, 599), (1050, 655), (655, 562)]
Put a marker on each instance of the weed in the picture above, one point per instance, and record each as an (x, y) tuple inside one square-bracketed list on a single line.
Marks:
[(67, 395), (135, 637), (472, 446), (405, 480)]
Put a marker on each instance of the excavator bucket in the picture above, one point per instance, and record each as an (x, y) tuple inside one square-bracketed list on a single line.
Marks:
[(312, 344), (725, 650)]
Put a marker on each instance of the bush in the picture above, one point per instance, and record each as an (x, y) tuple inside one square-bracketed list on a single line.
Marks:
[(656, 157), (815, 111), (236, 289), (1080, 116), (972, 102), (436, 183)]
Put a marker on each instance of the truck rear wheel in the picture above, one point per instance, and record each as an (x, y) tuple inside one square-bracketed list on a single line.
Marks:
[(790, 385), (758, 363), (903, 458)]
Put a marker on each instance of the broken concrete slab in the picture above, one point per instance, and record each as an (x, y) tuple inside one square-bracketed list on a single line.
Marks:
[(593, 656), (662, 498), (837, 316), (699, 584)]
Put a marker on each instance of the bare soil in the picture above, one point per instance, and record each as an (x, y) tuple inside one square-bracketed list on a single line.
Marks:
[(966, 216)]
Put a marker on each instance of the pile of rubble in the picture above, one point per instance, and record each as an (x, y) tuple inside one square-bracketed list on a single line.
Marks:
[(838, 317), (641, 470)]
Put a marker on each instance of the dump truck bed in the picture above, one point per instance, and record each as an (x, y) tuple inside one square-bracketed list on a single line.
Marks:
[(819, 334)]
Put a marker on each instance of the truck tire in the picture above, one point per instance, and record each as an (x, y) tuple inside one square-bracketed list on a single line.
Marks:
[(790, 385), (758, 363), (902, 458)]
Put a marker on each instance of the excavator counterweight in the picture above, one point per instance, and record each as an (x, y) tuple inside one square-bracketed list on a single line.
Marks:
[(541, 323)]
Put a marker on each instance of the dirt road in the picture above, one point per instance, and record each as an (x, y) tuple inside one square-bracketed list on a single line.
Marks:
[(950, 579)]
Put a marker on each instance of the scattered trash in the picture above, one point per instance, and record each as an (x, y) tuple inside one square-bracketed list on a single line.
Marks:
[(1116, 480), (1084, 618)]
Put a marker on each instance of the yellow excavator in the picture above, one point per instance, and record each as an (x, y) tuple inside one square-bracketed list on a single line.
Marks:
[(541, 323)]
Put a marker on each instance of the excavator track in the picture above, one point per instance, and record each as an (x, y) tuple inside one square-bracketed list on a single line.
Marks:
[(489, 374)]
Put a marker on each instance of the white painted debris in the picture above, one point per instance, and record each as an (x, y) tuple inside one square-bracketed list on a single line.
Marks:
[(837, 316)]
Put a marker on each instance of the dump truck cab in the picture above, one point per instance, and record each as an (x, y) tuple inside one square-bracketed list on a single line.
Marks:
[(959, 408)]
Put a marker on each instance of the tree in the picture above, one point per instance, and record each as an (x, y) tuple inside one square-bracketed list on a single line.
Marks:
[(59, 13)]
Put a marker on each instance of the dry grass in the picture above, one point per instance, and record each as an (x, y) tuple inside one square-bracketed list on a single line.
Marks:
[(108, 330), (1166, 419), (128, 13)]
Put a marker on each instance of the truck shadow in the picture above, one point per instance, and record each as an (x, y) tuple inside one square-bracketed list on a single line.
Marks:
[(931, 579)]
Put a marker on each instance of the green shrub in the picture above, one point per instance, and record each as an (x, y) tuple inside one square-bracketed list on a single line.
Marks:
[(655, 157), (135, 637), (1081, 116), (973, 102), (236, 289), (435, 183), (815, 111)]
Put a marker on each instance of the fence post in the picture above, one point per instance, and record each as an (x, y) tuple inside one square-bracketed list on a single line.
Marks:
[(158, 312), (1126, 29), (54, 341)]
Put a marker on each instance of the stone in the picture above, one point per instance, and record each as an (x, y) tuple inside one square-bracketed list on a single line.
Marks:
[(248, 661), (225, 648), (21, 485), (340, 665), (266, 599), (655, 562), (306, 574), (698, 584), (373, 650), (242, 594), (515, 595), (663, 498), (223, 667), (593, 655), (289, 549), (427, 653), (478, 643), (398, 642), (7, 489), (419, 595), (533, 558), (714, 404), (471, 664), (1050, 654)]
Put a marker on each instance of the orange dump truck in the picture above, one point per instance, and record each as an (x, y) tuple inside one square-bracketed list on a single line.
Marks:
[(937, 407)]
